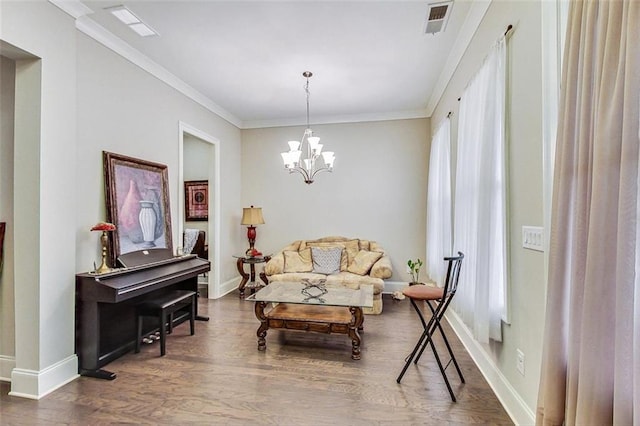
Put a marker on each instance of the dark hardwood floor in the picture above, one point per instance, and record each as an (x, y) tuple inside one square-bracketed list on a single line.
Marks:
[(219, 377)]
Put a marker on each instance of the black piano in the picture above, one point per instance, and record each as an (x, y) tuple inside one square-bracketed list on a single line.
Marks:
[(105, 303)]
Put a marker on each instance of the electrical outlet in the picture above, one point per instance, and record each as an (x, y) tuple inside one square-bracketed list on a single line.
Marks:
[(520, 362)]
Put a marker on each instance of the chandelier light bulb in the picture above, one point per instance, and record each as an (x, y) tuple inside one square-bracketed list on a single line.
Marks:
[(293, 145), (313, 141)]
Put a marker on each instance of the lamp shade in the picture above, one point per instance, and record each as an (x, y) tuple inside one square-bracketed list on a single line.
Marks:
[(252, 216)]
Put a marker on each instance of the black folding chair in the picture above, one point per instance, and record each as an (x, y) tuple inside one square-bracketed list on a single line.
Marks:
[(441, 297)]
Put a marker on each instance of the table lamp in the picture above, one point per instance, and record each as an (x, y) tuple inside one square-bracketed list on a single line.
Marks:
[(251, 216)]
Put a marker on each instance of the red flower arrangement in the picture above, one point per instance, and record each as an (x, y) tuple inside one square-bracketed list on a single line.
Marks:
[(104, 226)]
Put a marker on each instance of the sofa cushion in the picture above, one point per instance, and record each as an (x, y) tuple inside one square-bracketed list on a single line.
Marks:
[(363, 262), (351, 249), (382, 268), (326, 260), (298, 261), (275, 265)]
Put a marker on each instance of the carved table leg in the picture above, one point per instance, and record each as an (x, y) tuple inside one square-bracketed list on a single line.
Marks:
[(245, 277), (252, 269), (357, 318), (264, 279), (263, 275), (264, 325)]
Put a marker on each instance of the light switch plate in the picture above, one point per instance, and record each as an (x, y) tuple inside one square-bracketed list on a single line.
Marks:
[(533, 237)]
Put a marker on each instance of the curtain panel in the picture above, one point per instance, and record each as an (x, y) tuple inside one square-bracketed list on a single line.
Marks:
[(439, 231), (480, 199), (591, 350)]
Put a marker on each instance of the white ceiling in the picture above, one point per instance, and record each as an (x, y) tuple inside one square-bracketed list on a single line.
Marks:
[(370, 59)]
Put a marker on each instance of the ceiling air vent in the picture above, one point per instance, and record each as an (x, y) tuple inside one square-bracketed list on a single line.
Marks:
[(437, 17)]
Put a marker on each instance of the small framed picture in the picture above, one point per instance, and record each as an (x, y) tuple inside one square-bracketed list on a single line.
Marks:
[(196, 200)]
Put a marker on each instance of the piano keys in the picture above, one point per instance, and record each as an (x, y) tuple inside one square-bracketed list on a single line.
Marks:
[(105, 303)]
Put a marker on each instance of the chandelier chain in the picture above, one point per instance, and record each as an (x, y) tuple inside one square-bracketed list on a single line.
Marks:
[(306, 89)]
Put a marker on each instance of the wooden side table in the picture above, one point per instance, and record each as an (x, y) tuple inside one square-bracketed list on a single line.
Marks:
[(249, 279)]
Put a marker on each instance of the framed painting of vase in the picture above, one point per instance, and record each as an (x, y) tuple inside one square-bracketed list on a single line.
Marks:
[(137, 198)]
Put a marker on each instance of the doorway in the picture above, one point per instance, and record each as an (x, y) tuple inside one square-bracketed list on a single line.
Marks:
[(200, 161)]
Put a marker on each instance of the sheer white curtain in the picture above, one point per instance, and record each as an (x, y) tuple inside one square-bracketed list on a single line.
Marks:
[(591, 350), (439, 204), (480, 199)]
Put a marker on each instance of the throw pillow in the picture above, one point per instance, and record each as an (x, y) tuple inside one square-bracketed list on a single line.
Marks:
[(351, 248), (363, 262), (297, 261), (326, 260)]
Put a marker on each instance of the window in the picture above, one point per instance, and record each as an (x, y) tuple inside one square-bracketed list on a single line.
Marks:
[(480, 199), (439, 230)]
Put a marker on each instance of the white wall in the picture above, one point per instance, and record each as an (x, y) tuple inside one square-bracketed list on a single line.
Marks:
[(7, 314), (525, 201), (377, 190)]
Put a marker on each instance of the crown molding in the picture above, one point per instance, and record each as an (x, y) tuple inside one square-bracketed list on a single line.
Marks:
[(75, 8), (88, 26), (336, 119), (119, 46), (471, 23)]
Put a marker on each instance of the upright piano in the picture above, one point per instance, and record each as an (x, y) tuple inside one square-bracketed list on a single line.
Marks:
[(105, 303)]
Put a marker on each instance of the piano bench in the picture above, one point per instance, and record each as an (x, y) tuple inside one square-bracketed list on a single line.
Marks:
[(163, 307)]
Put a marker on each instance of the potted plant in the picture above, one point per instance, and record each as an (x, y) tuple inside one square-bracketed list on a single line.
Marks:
[(414, 269)]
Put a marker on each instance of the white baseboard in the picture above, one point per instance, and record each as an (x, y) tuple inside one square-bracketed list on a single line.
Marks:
[(7, 363), (514, 405), (37, 384), (227, 287)]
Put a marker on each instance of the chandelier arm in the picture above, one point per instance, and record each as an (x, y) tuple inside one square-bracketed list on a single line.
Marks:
[(322, 169), (300, 170)]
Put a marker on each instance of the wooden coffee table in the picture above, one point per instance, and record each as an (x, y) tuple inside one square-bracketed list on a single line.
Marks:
[(312, 306)]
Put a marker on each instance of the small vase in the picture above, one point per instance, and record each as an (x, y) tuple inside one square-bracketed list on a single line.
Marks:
[(152, 194), (147, 219)]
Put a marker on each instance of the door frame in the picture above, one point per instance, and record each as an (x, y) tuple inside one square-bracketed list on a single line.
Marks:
[(214, 201)]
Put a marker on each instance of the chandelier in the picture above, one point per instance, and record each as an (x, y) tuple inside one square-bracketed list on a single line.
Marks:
[(314, 161)]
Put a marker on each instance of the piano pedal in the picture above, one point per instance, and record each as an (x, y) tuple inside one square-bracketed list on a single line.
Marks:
[(147, 340)]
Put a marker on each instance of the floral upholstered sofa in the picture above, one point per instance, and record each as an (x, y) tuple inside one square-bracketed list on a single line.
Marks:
[(343, 261)]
